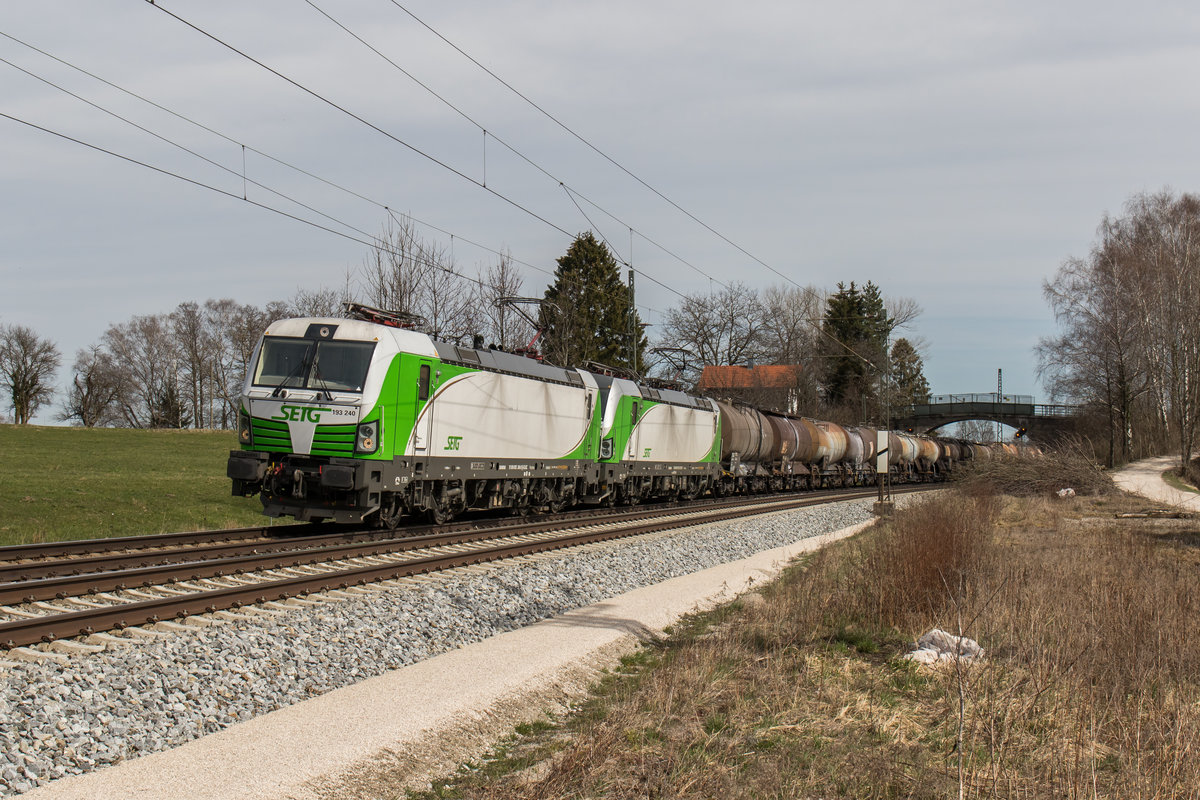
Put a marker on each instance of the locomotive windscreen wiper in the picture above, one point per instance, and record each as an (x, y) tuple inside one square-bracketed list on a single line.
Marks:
[(316, 375), (298, 370)]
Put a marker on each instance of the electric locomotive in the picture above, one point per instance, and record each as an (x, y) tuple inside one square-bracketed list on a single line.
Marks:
[(361, 419)]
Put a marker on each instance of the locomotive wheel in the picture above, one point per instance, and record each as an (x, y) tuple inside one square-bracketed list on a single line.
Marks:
[(439, 515), (390, 518)]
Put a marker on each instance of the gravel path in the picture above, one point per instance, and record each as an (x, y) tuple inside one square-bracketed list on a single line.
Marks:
[(1145, 477), (58, 720)]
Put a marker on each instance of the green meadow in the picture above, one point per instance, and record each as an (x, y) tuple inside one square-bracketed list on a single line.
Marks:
[(77, 483)]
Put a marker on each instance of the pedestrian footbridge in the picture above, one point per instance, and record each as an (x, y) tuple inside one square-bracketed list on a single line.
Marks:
[(1040, 421)]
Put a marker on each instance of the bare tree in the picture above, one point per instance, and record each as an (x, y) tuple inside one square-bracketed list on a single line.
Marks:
[(446, 299), (195, 350), (790, 336), (237, 330), (1165, 274), (976, 430), (323, 302), (722, 328), (27, 367), (1096, 360), (94, 390), (902, 311), (394, 269), (405, 273), (500, 324), (1130, 341), (142, 351)]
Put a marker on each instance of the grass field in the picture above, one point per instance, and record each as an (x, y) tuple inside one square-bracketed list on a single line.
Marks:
[(78, 483)]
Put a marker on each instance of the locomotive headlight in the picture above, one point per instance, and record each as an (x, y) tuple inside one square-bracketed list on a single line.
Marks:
[(244, 435), (366, 440)]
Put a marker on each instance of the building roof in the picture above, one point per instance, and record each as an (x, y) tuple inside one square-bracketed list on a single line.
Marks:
[(765, 376)]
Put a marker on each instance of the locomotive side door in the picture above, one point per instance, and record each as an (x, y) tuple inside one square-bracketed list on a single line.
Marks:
[(632, 453), (424, 408)]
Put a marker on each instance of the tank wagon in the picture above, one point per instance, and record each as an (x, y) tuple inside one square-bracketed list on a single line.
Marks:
[(356, 420)]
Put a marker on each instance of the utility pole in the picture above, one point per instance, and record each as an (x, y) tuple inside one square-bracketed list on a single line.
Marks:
[(885, 505), (633, 328), (999, 397)]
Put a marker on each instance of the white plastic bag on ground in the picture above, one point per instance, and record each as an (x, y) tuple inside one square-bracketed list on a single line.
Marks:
[(937, 645)]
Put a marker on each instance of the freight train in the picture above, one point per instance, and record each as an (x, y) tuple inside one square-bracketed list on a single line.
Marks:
[(363, 420)]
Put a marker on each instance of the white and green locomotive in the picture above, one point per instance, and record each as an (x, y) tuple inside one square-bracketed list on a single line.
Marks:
[(360, 420)]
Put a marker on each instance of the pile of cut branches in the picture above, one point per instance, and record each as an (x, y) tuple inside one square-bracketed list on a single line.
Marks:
[(1071, 465)]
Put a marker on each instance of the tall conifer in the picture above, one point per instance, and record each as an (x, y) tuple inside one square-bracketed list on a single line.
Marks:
[(587, 315)]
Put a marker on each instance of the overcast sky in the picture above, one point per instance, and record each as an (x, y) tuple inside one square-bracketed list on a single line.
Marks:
[(947, 151)]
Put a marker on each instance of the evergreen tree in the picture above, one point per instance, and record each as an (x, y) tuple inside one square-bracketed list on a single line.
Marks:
[(168, 409), (908, 378), (587, 315), (856, 328)]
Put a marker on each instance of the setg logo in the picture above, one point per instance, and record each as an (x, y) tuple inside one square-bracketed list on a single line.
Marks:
[(300, 414), (452, 442)]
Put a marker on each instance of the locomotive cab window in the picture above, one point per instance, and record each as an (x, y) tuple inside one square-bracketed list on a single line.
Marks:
[(423, 383), (329, 365), (634, 416)]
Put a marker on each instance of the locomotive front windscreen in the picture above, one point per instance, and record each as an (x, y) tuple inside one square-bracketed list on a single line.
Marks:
[(329, 365)]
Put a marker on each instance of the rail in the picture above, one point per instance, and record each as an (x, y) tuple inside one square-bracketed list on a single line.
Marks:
[(183, 600)]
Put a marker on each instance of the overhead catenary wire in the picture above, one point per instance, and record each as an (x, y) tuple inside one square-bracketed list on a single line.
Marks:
[(245, 180), (243, 147), (511, 148), (374, 127), (259, 152), (369, 241), (334, 184), (317, 95), (596, 228), (593, 147)]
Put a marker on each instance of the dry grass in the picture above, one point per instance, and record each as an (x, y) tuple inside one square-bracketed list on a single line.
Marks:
[(1090, 687)]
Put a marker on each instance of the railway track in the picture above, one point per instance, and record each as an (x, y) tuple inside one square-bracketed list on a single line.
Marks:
[(52, 595)]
